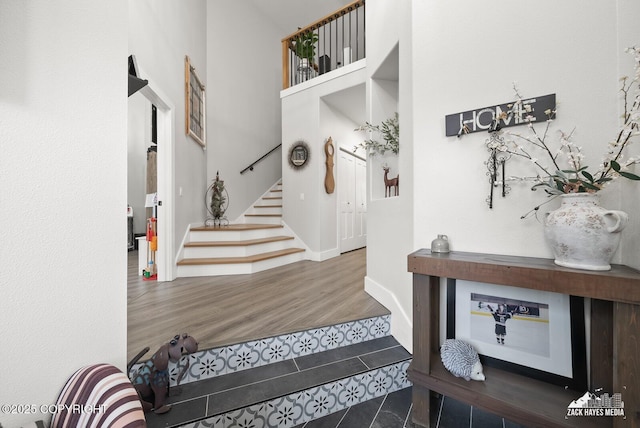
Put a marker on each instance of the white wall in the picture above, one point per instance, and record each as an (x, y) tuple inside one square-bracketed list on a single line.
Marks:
[(542, 47), (161, 34), (63, 174), (244, 63), (334, 124), (546, 50)]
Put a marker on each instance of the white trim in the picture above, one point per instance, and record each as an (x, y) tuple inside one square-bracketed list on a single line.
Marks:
[(401, 323), (333, 74), (166, 177), (320, 256), (185, 239)]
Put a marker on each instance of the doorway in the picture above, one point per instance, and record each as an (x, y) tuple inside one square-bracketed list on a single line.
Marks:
[(165, 210)]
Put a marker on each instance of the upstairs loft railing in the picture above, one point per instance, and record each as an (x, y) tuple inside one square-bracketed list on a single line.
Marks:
[(334, 41)]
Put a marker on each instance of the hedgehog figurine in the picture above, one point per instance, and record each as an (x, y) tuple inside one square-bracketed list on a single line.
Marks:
[(461, 359)]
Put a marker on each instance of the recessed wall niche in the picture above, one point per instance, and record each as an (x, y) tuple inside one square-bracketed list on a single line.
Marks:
[(384, 105)]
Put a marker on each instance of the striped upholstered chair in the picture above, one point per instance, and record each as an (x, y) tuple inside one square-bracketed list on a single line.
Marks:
[(98, 396)]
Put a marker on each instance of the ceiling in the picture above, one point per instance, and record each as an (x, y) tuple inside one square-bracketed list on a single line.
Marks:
[(288, 15)]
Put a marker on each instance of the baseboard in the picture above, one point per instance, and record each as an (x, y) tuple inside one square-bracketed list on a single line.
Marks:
[(320, 256), (401, 323)]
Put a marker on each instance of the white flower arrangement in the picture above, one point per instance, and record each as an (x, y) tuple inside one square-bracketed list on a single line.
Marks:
[(564, 171)]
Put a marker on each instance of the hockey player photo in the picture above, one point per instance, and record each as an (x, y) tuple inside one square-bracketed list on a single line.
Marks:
[(500, 316)]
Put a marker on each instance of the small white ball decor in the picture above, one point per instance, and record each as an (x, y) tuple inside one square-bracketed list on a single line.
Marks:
[(461, 360)]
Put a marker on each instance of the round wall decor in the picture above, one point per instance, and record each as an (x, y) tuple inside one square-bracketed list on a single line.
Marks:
[(299, 154)]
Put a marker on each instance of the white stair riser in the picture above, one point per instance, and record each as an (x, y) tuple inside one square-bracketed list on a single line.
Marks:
[(257, 209), (232, 235), (263, 220), (235, 250), (238, 268), (275, 199)]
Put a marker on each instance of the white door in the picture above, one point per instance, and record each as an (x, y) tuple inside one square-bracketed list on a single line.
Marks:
[(352, 201), (360, 227)]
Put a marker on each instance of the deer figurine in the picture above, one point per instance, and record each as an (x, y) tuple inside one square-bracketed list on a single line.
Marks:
[(390, 183)]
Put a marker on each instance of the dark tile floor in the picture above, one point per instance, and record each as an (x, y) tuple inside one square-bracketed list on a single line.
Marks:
[(230, 392), (226, 393), (394, 411)]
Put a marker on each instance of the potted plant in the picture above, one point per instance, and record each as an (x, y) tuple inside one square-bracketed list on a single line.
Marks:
[(305, 48), (582, 234), (390, 132)]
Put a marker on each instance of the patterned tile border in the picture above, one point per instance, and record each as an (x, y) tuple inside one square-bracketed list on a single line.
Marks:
[(233, 358), (313, 403)]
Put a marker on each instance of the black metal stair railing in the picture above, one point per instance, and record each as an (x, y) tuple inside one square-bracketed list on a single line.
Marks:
[(332, 42), (250, 167)]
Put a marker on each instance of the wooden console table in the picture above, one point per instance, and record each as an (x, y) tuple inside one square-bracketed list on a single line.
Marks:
[(615, 339)]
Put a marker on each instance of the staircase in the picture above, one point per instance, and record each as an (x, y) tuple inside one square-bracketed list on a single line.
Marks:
[(259, 242), (347, 372)]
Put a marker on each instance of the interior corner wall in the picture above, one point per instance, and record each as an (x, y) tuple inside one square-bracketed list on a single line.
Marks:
[(557, 53), (390, 222), (244, 57), (384, 103), (63, 140), (161, 33), (383, 31)]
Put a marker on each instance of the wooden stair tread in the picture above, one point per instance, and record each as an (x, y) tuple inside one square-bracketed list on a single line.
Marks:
[(267, 206), (247, 259), (237, 226), (263, 215), (238, 243)]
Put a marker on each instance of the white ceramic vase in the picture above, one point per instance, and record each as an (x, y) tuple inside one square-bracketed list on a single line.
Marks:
[(582, 234)]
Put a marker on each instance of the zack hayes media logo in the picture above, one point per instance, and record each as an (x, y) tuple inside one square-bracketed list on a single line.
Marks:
[(592, 405)]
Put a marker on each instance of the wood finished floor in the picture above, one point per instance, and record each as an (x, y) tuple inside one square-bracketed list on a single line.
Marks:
[(222, 310)]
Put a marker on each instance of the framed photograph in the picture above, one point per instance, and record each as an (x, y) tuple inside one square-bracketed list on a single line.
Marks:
[(534, 333), (194, 104)]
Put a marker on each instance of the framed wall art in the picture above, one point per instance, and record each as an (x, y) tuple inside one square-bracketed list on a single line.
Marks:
[(194, 104), (299, 154), (534, 333)]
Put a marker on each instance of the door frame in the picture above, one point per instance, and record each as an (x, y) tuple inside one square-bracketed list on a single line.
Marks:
[(166, 178)]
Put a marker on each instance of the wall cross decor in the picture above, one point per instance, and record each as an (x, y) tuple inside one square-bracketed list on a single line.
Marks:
[(496, 164)]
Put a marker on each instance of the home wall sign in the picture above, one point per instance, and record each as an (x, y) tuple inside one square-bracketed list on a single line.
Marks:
[(481, 119)]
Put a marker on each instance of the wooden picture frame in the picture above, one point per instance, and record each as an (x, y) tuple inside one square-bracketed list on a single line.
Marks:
[(195, 117), (544, 332)]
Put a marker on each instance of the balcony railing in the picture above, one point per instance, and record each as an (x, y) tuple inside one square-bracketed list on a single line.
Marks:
[(332, 42)]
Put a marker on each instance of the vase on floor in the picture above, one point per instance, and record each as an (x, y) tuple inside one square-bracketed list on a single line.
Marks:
[(582, 234)]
